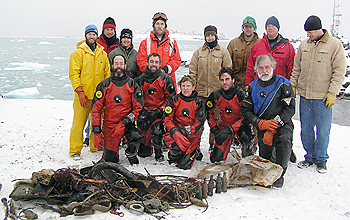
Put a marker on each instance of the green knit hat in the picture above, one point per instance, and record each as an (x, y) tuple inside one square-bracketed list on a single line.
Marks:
[(249, 20)]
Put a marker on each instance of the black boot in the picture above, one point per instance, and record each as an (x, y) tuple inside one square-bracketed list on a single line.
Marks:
[(86, 142), (158, 154), (293, 157), (199, 155), (133, 160)]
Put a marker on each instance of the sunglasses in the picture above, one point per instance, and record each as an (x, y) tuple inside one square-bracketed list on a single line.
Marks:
[(160, 15)]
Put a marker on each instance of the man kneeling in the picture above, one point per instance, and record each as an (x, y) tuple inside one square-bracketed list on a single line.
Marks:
[(184, 117)]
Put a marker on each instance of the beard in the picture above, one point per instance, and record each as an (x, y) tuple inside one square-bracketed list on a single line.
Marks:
[(265, 76), (119, 72)]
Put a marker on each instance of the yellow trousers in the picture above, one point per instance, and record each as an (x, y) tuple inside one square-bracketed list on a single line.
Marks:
[(76, 132)]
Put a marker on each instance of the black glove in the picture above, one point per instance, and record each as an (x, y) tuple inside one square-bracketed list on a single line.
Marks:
[(223, 134), (147, 117), (165, 69), (159, 113)]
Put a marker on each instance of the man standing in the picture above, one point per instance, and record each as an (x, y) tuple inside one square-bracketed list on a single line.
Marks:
[(159, 42), (273, 43), (204, 68), (184, 117), (88, 66), (318, 74), (157, 88), (239, 49), (228, 99), (108, 39), (270, 105), (121, 100)]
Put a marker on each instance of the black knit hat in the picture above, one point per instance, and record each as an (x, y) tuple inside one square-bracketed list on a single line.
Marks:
[(109, 23), (126, 32), (312, 23), (210, 29)]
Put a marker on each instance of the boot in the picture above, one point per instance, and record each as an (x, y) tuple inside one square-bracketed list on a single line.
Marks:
[(133, 160), (158, 155), (86, 142), (199, 155), (293, 157)]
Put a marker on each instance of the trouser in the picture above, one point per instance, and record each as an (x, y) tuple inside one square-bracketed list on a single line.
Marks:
[(153, 138), (111, 144), (314, 113), (184, 160), (220, 152), (76, 132), (216, 117), (282, 142)]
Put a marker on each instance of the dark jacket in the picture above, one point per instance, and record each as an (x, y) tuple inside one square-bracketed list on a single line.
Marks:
[(130, 54)]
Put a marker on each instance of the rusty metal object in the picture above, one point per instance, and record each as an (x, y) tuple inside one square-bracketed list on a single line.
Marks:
[(211, 185), (224, 182), (29, 214), (205, 189)]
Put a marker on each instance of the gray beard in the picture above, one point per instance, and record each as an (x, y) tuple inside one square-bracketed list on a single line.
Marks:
[(266, 78)]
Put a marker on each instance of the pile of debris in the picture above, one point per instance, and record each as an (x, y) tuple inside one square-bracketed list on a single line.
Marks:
[(107, 186)]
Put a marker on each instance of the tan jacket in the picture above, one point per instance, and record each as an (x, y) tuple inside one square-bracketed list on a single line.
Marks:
[(239, 50), (205, 66), (319, 68)]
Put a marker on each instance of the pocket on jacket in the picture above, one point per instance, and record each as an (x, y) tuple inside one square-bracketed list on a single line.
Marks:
[(322, 56)]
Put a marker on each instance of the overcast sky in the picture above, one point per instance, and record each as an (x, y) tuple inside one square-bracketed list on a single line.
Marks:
[(69, 17)]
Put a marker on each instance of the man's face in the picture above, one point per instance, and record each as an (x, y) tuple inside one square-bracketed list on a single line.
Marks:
[(118, 66), (91, 38), (314, 34), (159, 28), (109, 32), (153, 64), (265, 71), (226, 81), (210, 38), (248, 30), (187, 88), (126, 42), (271, 31)]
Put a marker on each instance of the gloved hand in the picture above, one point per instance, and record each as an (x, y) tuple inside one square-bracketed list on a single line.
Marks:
[(294, 91), (222, 135), (83, 99), (118, 131), (214, 130), (165, 69), (330, 99), (182, 142), (267, 124), (98, 142), (159, 113), (268, 137)]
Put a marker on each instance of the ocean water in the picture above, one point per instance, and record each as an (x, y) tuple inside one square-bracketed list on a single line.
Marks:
[(34, 67)]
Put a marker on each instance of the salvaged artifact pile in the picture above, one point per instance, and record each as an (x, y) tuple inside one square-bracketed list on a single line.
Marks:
[(107, 186)]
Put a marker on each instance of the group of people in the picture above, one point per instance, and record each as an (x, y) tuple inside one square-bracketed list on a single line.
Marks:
[(246, 92)]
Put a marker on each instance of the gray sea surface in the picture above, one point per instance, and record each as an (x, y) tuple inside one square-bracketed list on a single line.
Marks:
[(37, 67)]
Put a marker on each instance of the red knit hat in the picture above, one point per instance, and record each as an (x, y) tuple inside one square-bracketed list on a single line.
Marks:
[(109, 23)]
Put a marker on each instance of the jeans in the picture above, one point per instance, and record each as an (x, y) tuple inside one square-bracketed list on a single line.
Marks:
[(314, 113)]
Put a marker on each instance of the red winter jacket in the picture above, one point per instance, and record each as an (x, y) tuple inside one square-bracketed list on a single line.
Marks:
[(283, 52), (167, 49), (106, 48)]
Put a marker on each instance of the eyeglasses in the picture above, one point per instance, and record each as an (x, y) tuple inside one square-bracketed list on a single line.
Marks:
[(120, 64), (160, 15)]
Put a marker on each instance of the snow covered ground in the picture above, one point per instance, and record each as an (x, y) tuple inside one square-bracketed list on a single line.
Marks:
[(34, 135)]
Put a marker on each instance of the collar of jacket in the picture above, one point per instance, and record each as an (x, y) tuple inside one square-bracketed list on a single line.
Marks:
[(148, 74), (165, 38), (118, 79), (230, 93), (324, 39), (217, 47), (83, 45), (267, 83), (241, 37), (280, 40), (191, 97)]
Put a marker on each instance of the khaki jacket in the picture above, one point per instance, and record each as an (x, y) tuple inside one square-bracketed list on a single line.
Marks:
[(87, 68), (205, 66), (319, 68), (239, 50)]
